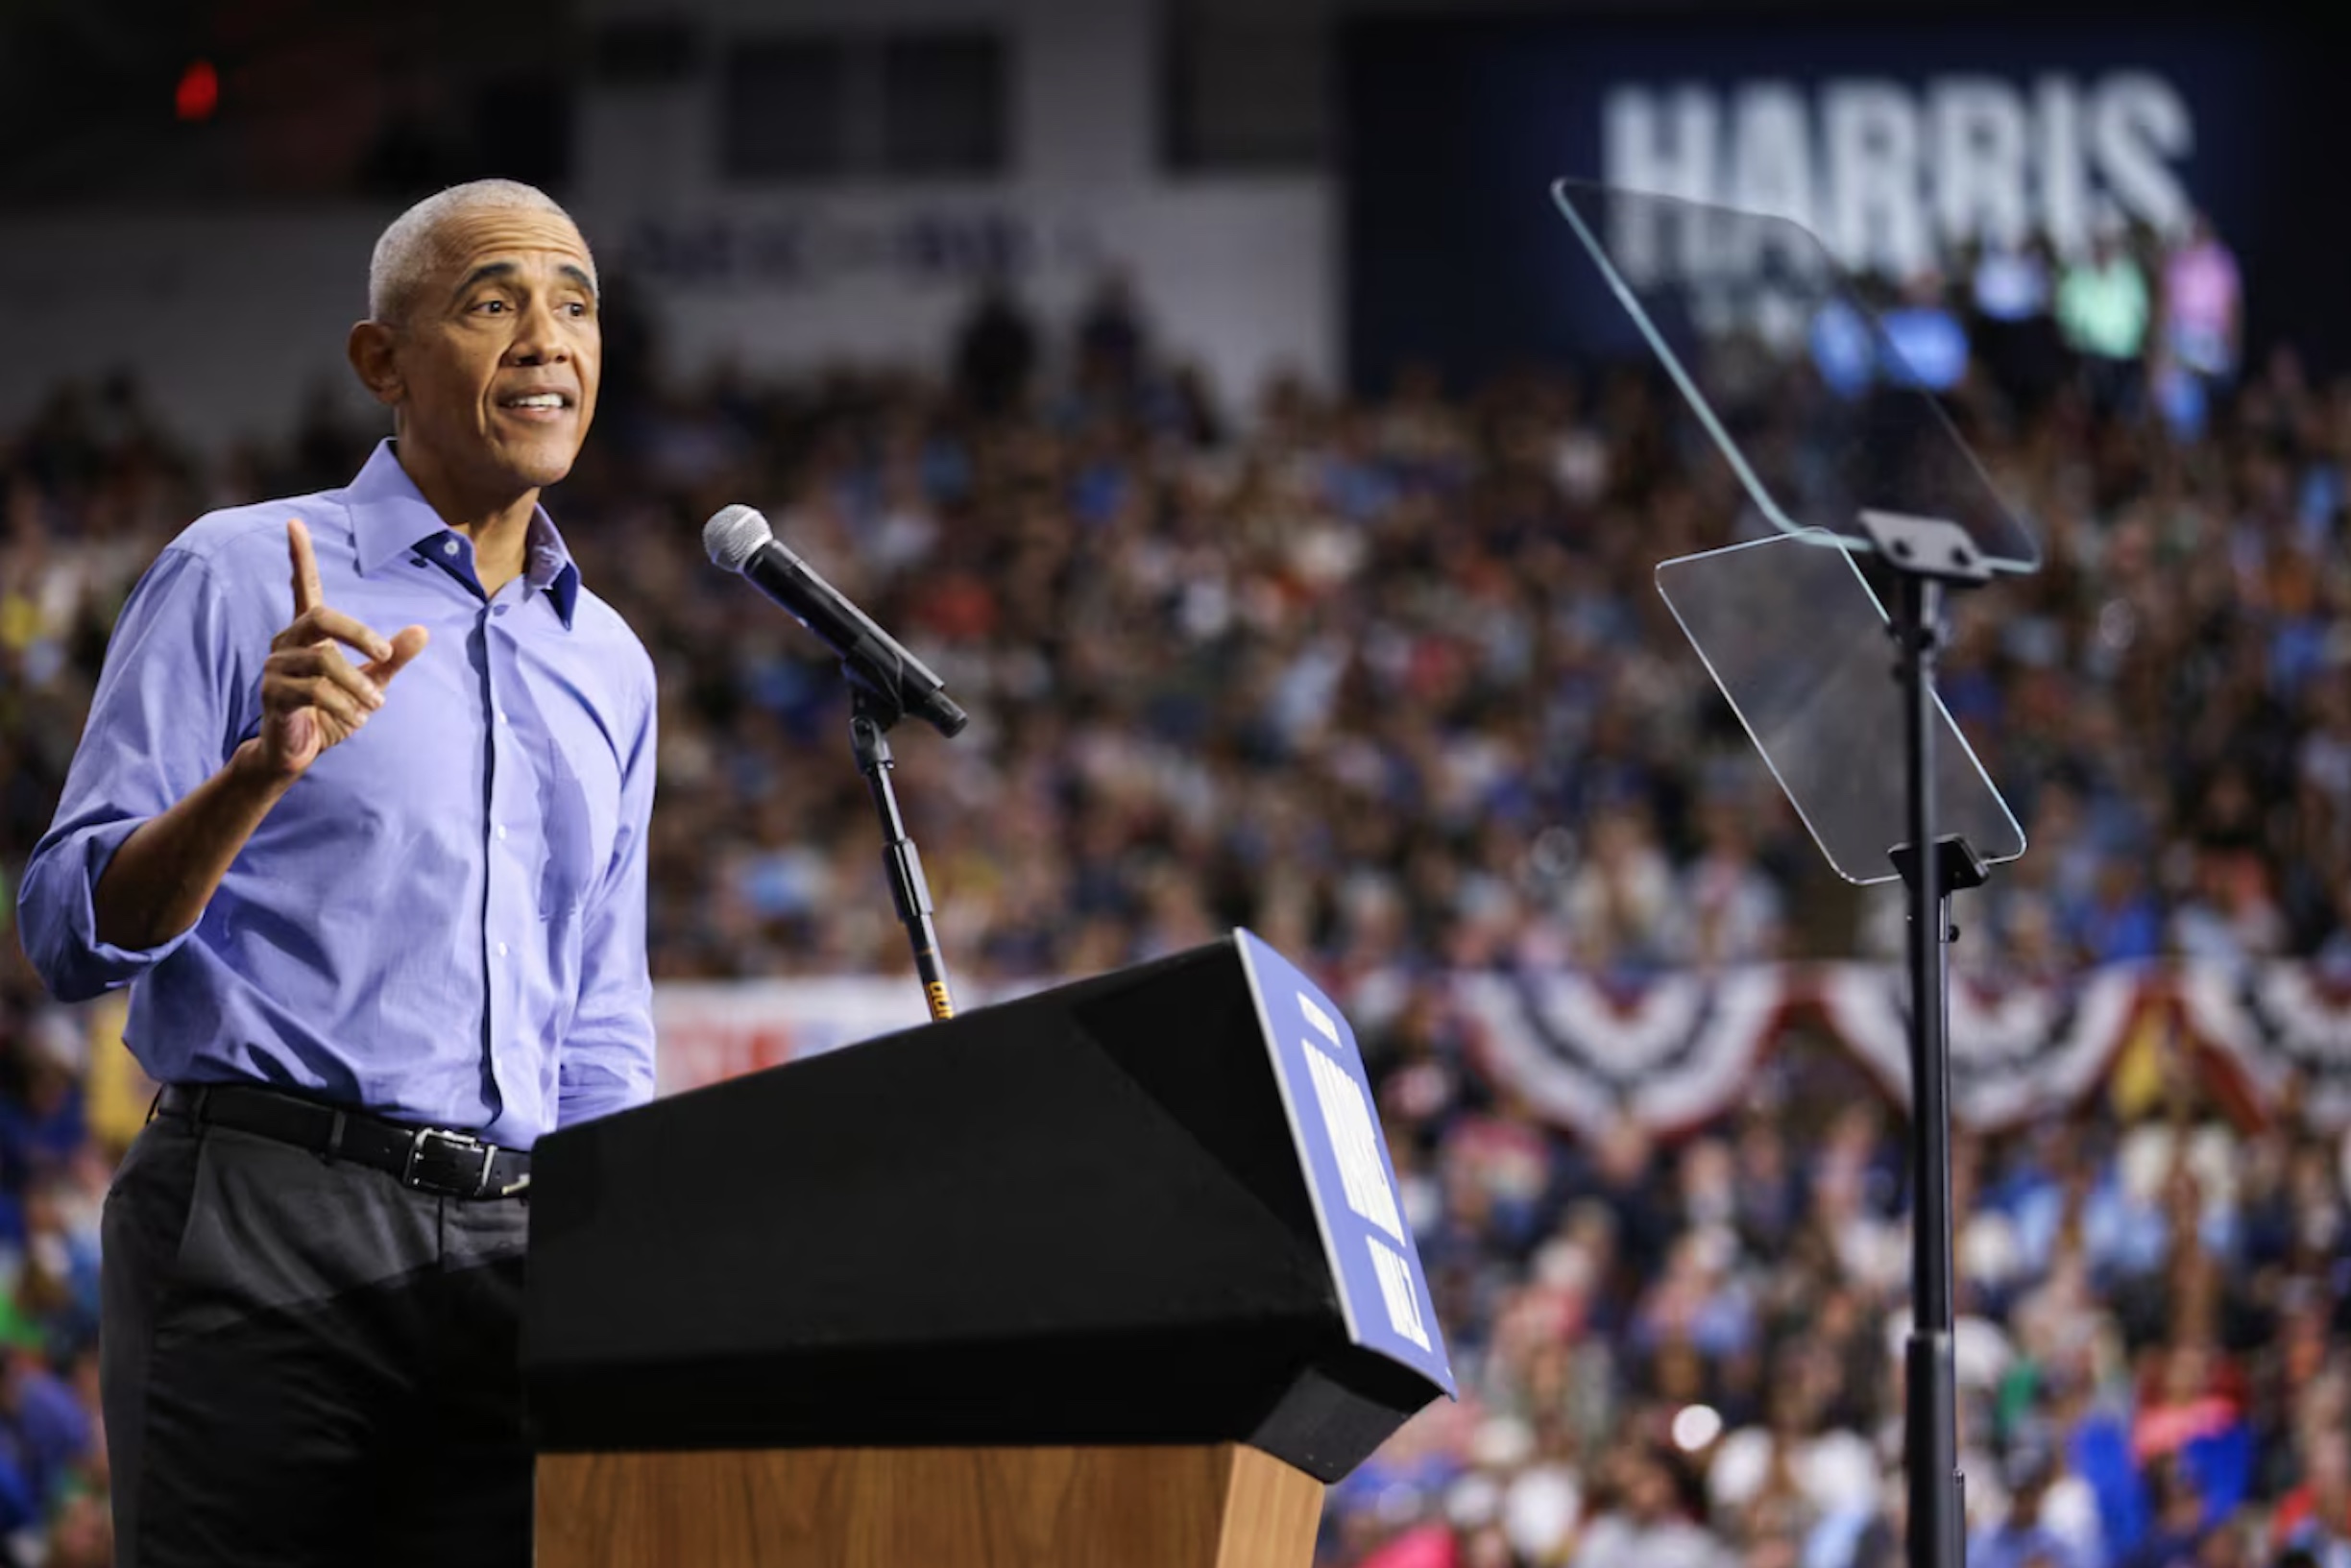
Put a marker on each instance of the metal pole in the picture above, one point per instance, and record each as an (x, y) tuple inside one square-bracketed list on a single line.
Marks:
[(1936, 1534), (869, 737)]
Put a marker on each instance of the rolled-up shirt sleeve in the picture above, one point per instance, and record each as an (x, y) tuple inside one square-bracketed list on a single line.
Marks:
[(164, 720), (607, 1061)]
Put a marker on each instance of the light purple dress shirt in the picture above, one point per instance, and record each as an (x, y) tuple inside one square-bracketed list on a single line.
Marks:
[(444, 921)]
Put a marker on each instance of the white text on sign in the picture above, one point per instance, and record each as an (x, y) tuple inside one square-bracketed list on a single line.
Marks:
[(1348, 1118)]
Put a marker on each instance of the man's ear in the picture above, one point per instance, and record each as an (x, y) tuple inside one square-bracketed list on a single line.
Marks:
[(371, 353)]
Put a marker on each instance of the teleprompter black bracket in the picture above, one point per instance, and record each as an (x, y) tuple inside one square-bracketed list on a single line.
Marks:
[(1926, 547)]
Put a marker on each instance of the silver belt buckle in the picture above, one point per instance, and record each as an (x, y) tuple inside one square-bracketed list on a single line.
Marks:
[(459, 1140)]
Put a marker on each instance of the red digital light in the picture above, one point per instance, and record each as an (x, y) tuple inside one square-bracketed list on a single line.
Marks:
[(198, 94)]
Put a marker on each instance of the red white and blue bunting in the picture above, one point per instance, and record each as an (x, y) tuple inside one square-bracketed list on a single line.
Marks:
[(2285, 1027), (1674, 1053), (1680, 1049), (2017, 1050)]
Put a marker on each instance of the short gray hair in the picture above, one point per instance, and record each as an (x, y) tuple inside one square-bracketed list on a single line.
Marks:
[(407, 252)]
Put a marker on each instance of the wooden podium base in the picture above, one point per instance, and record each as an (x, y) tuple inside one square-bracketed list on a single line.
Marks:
[(1221, 1506)]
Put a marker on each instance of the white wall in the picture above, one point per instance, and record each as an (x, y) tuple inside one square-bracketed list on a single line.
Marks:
[(1240, 273), (1233, 274)]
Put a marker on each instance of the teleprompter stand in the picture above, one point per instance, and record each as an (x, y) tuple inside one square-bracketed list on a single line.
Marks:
[(1841, 456), (1927, 558)]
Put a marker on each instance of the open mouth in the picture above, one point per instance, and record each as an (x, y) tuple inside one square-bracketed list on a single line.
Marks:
[(537, 407)]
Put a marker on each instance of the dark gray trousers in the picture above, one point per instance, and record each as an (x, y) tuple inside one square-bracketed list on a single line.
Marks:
[(307, 1364)]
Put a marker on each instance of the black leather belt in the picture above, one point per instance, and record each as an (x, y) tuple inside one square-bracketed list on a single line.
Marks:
[(428, 1159)]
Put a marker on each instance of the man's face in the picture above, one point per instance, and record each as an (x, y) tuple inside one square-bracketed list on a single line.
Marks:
[(495, 366)]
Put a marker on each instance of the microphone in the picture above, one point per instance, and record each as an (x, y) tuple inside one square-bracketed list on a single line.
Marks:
[(739, 540)]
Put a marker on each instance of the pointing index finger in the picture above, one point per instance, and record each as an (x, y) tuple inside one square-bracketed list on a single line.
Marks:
[(309, 595)]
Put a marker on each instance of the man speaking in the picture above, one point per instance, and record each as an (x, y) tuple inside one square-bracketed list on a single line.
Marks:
[(360, 819)]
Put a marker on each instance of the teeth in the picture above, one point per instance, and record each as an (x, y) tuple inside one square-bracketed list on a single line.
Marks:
[(543, 400)]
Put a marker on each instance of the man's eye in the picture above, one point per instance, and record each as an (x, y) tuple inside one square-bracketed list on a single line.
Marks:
[(493, 306)]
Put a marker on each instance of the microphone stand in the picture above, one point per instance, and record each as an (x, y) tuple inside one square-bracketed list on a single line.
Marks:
[(871, 714)]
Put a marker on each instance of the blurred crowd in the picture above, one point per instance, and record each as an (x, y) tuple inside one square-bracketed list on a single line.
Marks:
[(1691, 1356), (1384, 678)]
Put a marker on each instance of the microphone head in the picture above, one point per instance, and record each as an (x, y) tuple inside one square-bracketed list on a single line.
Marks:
[(734, 536)]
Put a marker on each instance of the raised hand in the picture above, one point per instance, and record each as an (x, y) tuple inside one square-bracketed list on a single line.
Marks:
[(311, 696)]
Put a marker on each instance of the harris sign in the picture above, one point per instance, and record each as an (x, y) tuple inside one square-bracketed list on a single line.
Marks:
[(1901, 143)]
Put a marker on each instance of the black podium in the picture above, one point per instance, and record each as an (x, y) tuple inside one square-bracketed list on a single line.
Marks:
[(1027, 1285)]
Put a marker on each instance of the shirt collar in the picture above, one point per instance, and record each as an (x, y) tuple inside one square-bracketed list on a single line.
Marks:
[(390, 517)]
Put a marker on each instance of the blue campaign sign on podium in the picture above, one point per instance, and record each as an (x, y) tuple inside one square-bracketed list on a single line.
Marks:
[(1382, 1290)]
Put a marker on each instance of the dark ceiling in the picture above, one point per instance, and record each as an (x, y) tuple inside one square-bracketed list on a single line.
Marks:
[(314, 98)]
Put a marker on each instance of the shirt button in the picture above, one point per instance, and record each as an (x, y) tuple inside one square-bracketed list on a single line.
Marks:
[(501, 713), (501, 829), (501, 950), (448, 547)]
